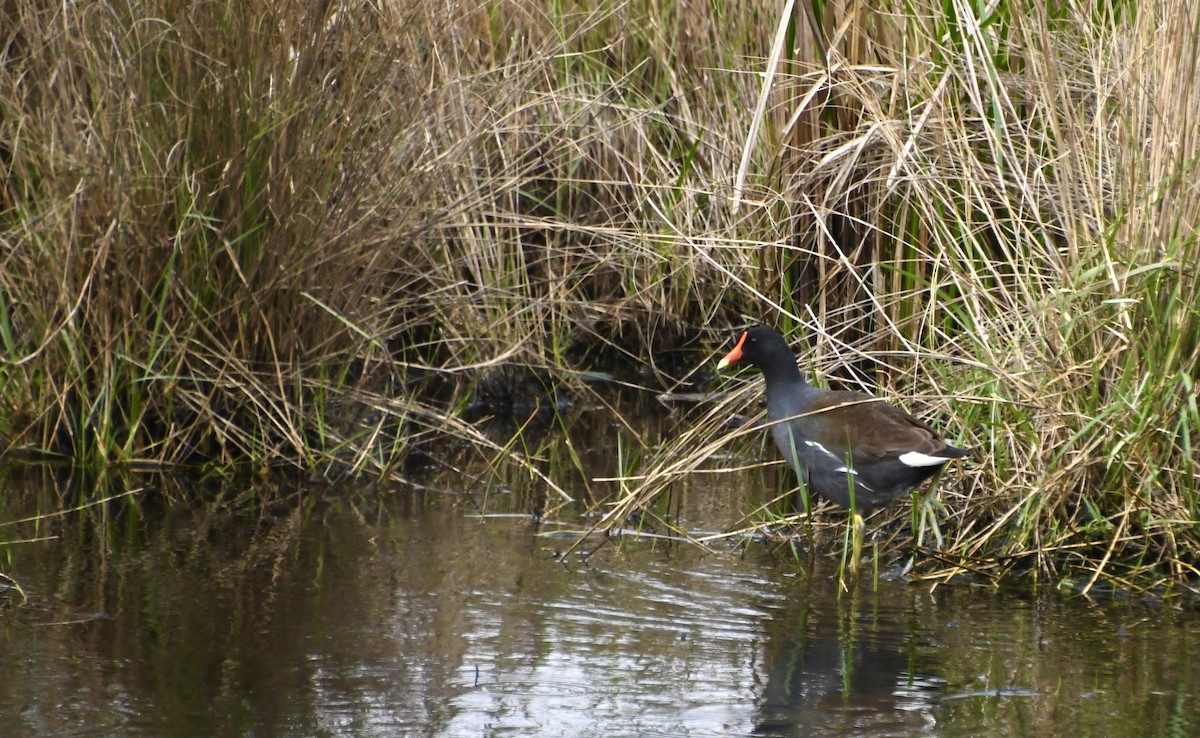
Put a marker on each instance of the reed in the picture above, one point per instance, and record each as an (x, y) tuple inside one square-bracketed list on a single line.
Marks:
[(973, 230), (302, 233)]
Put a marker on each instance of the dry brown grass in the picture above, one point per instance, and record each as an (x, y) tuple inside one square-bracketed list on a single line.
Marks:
[(218, 218), (975, 225), (299, 232)]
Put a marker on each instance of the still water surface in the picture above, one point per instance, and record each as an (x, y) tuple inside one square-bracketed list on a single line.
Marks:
[(402, 613)]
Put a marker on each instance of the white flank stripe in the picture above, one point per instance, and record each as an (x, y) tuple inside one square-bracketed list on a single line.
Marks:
[(819, 447), (858, 483), (915, 458)]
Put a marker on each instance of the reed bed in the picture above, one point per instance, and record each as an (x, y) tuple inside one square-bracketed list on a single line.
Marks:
[(305, 233)]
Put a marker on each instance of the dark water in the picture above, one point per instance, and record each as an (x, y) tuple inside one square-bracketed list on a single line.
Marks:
[(358, 612)]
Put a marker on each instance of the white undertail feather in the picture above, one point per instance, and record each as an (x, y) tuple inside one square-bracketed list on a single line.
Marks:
[(916, 458)]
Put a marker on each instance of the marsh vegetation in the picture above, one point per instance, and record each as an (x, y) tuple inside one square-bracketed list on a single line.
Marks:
[(310, 234)]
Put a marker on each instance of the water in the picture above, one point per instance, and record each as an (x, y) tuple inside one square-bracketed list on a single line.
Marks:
[(355, 612)]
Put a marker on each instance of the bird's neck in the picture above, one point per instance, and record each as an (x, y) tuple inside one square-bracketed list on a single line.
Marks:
[(784, 375)]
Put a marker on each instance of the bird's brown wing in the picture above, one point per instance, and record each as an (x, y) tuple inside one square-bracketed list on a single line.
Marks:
[(870, 428)]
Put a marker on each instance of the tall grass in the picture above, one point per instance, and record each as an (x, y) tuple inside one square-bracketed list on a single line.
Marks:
[(990, 216), (302, 232), (237, 231)]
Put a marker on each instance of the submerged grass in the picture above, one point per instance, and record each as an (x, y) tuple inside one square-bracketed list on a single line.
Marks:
[(305, 233)]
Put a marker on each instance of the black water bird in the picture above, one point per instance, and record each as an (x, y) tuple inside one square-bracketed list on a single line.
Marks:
[(848, 447)]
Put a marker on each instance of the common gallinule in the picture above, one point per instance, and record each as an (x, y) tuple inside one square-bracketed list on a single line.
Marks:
[(841, 444)]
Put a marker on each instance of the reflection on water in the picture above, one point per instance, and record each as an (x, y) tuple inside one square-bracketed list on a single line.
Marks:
[(415, 616), (859, 664)]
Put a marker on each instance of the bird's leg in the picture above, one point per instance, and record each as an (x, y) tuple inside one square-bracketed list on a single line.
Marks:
[(859, 527), (856, 522), (851, 549), (927, 515)]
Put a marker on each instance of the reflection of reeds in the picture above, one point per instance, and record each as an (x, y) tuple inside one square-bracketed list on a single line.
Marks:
[(297, 233)]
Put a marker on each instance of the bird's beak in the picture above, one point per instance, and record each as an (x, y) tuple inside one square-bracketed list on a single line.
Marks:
[(733, 356)]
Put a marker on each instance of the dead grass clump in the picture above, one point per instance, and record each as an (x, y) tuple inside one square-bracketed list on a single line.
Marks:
[(218, 220), (974, 225), (294, 232)]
